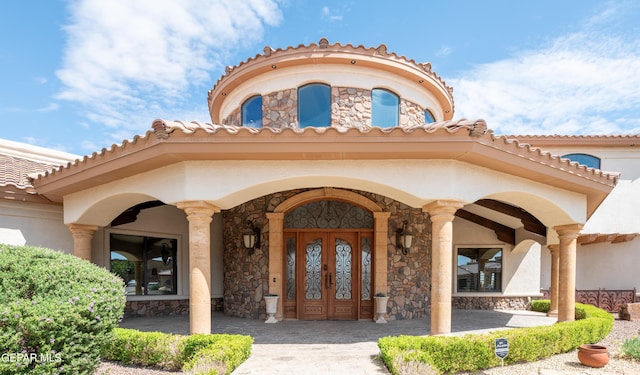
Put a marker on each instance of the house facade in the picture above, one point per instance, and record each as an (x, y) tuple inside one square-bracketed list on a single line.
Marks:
[(330, 174)]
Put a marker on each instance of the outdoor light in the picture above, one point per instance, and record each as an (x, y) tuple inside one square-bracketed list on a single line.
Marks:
[(403, 238), (251, 236)]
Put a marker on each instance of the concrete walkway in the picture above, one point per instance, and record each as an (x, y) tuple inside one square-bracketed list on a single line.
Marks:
[(332, 347)]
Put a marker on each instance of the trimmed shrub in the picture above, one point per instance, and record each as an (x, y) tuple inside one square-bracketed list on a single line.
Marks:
[(475, 352), (156, 349), (199, 354), (56, 311)]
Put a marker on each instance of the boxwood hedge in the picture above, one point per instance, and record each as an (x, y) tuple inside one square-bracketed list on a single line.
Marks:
[(448, 354), (197, 354), (56, 311)]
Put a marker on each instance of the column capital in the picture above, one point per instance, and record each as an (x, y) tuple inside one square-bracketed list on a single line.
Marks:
[(381, 214), (553, 248), (198, 209), (568, 231), (82, 230), (275, 216), (442, 209)]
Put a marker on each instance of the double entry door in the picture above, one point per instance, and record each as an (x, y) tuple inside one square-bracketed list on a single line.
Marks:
[(334, 273)]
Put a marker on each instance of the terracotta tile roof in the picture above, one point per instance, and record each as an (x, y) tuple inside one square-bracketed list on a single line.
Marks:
[(630, 140), (380, 51), (15, 171)]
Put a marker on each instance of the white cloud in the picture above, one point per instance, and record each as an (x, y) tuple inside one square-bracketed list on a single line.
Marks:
[(587, 82), (329, 14), (49, 107), (125, 59)]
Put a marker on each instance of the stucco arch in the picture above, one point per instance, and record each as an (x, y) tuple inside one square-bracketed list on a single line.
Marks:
[(327, 194), (103, 211), (545, 210)]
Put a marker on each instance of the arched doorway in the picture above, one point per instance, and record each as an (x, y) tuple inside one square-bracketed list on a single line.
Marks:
[(328, 261), (353, 228)]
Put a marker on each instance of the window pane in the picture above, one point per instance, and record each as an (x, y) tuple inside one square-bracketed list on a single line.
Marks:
[(479, 270), (291, 269), (428, 117), (366, 269), (314, 105), (252, 112), (147, 265), (384, 108), (584, 159)]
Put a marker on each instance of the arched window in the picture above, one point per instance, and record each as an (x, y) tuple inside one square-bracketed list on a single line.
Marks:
[(584, 159), (252, 112), (385, 107), (429, 118), (314, 105)]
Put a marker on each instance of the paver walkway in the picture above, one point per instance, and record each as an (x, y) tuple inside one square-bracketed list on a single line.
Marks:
[(331, 347)]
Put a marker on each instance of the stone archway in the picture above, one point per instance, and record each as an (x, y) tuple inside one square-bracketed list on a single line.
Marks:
[(276, 238)]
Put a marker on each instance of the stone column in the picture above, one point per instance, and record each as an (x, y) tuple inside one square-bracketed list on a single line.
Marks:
[(442, 214), (276, 253), (553, 292), (381, 259), (82, 235), (199, 215), (568, 235)]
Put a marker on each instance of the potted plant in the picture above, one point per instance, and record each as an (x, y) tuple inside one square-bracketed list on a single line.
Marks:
[(271, 304), (381, 300)]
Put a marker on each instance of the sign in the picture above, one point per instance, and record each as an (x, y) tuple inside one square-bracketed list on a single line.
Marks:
[(502, 347)]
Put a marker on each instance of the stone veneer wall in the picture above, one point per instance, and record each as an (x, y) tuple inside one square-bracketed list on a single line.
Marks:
[(164, 307), (246, 275), (491, 303), (350, 108)]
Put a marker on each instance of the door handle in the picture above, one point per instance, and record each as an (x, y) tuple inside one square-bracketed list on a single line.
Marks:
[(330, 281), (326, 281)]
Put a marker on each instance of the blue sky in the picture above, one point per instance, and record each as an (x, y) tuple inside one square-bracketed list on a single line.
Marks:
[(81, 75)]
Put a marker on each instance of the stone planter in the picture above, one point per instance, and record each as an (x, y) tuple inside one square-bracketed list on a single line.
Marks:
[(271, 303), (593, 355), (381, 308)]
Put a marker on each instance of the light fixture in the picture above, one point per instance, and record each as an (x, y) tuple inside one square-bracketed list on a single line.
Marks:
[(165, 254), (251, 236), (403, 238)]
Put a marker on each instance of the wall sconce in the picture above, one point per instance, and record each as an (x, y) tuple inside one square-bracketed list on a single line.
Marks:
[(251, 236), (404, 238)]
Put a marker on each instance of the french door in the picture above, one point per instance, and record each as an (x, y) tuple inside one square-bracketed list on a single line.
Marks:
[(332, 277)]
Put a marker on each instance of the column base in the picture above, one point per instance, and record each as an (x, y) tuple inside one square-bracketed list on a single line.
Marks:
[(553, 313)]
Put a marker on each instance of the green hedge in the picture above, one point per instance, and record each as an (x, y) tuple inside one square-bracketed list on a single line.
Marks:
[(56, 311), (199, 354), (450, 354)]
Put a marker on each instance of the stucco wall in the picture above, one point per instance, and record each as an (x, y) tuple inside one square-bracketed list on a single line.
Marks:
[(34, 224)]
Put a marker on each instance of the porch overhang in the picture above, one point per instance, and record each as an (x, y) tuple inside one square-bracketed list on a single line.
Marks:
[(466, 141)]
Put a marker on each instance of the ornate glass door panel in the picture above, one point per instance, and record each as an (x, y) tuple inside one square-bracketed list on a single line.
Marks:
[(312, 293), (343, 279)]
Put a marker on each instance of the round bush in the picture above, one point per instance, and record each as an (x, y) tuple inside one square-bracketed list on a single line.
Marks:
[(56, 311)]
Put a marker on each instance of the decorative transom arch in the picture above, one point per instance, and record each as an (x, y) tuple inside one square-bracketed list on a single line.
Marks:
[(276, 229), (327, 193)]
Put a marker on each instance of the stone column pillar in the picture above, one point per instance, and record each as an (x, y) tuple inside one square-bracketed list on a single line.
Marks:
[(381, 258), (82, 235), (568, 235), (276, 260), (138, 276), (442, 214), (199, 215), (553, 292)]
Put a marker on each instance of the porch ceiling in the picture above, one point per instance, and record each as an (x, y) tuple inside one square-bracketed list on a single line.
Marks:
[(463, 140)]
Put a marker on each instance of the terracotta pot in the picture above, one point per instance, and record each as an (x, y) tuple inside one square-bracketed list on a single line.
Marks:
[(593, 355)]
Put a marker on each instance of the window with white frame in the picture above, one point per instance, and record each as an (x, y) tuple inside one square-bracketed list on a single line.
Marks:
[(479, 269)]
